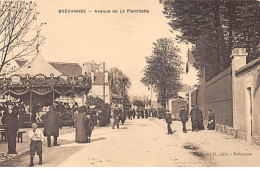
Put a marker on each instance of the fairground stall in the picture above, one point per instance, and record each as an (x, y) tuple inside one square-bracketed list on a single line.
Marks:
[(38, 85)]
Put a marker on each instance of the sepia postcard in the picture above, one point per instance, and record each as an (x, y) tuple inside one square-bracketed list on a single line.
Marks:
[(130, 83)]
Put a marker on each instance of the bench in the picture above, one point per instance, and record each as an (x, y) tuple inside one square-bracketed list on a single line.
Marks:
[(3, 135), (19, 135)]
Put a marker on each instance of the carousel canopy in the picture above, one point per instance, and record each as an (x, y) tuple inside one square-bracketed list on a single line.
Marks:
[(37, 66), (40, 77)]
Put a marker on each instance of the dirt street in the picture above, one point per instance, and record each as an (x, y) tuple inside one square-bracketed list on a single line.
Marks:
[(144, 143)]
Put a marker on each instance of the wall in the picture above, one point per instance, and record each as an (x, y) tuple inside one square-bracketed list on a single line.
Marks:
[(97, 90), (248, 77), (216, 95)]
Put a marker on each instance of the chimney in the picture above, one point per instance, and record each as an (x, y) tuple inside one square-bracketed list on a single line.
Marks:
[(106, 77), (238, 58), (92, 77)]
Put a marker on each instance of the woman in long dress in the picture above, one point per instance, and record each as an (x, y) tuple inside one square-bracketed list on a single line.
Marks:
[(211, 124), (80, 123)]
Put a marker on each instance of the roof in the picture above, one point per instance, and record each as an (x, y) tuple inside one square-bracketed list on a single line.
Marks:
[(37, 66), (99, 78), (21, 62), (68, 69)]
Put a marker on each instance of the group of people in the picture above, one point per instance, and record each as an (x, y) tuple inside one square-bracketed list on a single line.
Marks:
[(83, 122), (196, 119)]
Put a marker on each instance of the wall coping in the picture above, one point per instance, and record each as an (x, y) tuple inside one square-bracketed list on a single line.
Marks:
[(248, 66)]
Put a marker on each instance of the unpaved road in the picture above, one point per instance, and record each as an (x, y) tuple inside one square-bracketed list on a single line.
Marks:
[(143, 143)]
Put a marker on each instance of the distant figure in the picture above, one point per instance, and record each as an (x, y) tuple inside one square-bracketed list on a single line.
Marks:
[(80, 124), (142, 113), (10, 122), (184, 118), (211, 123), (52, 126), (138, 114), (133, 113), (36, 136), (116, 118), (123, 116), (194, 119), (169, 122), (146, 114), (200, 119)]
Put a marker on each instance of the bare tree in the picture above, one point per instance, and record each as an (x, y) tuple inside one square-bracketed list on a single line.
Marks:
[(19, 36), (92, 66)]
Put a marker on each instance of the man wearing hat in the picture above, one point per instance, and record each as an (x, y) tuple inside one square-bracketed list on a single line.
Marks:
[(116, 118), (169, 121), (184, 118), (194, 118), (10, 121), (52, 125)]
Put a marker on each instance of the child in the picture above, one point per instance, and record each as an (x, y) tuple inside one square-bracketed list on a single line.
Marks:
[(36, 136)]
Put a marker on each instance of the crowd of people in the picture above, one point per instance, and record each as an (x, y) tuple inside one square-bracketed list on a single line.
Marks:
[(84, 120)]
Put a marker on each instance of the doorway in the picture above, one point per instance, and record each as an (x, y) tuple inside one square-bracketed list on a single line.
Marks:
[(249, 115)]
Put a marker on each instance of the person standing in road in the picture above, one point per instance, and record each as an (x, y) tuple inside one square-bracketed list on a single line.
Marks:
[(169, 122), (200, 119), (80, 120), (10, 122), (184, 118), (133, 113), (194, 119), (36, 136), (116, 118), (142, 113), (52, 126), (146, 114)]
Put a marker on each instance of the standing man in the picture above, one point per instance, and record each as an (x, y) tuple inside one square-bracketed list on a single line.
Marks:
[(10, 121), (142, 113), (169, 122), (184, 118), (194, 119), (146, 114), (116, 118), (52, 126), (133, 113)]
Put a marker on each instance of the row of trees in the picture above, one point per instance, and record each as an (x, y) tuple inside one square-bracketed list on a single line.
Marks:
[(214, 28)]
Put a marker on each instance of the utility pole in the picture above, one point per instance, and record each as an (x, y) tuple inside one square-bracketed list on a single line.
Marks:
[(104, 85)]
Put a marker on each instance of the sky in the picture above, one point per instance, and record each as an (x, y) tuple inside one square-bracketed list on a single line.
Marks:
[(119, 39)]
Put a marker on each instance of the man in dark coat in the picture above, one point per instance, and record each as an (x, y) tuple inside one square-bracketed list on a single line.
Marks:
[(169, 122), (116, 118), (142, 113), (184, 118), (52, 124), (194, 119), (133, 113), (200, 119), (10, 122), (123, 115), (146, 114)]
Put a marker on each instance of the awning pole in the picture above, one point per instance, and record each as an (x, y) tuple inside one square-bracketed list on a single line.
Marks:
[(53, 97), (30, 105)]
